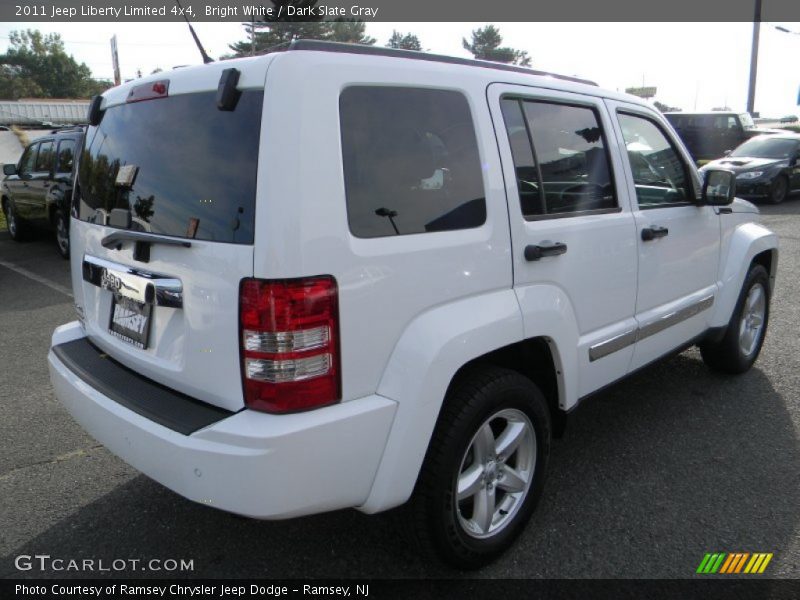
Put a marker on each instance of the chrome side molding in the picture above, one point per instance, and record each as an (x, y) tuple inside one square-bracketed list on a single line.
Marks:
[(623, 340), (140, 286), (611, 345), (674, 317)]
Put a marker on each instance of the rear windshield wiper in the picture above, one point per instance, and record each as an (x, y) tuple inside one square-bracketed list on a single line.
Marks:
[(142, 242), (114, 240)]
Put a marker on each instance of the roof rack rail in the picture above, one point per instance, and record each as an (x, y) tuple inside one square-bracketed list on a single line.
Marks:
[(68, 129), (322, 46)]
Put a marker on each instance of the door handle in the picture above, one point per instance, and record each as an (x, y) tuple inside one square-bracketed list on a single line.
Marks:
[(545, 248), (654, 232)]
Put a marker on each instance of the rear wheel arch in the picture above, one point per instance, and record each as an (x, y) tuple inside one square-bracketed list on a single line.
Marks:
[(535, 358)]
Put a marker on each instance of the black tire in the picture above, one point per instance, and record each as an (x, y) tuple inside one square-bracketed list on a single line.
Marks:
[(728, 355), (62, 234), (440, 522), (779, 190), (17, 228)]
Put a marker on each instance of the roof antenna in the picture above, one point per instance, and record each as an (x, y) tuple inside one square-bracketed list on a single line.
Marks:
[(206, 58)]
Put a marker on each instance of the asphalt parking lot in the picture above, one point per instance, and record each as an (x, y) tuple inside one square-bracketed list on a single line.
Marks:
[(652, 474)]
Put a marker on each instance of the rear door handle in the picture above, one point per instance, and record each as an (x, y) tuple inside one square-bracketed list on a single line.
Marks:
[(545, 248), (654, 232)]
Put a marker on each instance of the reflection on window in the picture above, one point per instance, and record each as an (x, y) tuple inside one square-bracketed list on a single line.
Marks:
[(66, 155), (566, 169), (190, 168), (28, 160), (44, 162), (658, 172), (411, 162)]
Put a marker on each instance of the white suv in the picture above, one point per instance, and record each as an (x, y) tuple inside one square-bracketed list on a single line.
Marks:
[(341, 276)]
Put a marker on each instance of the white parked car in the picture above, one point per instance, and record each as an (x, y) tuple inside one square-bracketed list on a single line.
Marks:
[(340, 276)]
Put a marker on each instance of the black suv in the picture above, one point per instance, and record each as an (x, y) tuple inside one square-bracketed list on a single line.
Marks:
[(710, 135), (37, 190)]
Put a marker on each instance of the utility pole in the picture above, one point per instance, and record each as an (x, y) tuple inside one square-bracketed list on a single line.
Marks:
[(751, 92)]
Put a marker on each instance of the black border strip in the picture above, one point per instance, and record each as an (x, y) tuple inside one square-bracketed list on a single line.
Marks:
[(143, 396)]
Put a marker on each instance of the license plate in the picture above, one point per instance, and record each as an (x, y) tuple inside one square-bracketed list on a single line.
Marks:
[(130, 320)]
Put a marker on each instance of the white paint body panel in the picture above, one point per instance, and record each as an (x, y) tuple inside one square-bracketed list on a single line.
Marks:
[(589, 293), (253, 464), (413, 309)]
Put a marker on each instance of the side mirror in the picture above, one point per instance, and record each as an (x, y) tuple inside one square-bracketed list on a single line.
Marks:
[(9, 169), (727, 152), (719, 187)]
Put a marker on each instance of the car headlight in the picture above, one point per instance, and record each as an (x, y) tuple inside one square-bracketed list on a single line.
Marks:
[(750, 175)]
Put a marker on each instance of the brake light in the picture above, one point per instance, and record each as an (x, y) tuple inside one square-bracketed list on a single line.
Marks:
[(289, 332), (149, 91)]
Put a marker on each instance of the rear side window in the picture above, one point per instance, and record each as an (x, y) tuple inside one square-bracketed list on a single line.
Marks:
[(190, 169), (44, 162), (411, 161), (560, 158), (66, 157)]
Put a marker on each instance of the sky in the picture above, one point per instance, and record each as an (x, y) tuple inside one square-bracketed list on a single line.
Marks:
[(695, 66)]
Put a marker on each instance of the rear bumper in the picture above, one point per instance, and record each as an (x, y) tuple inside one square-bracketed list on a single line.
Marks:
[(249, 463)]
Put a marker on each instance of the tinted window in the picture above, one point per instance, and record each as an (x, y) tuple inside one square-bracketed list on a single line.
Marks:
[(411, 161), (659, 173), (44, 162), (66, 156), (190, 168), (530, 195), (28, 159), (567, 166)]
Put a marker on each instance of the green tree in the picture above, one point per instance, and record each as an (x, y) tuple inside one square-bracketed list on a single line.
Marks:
[(269, 33), (404, 41), (486, 45), (36, 65)]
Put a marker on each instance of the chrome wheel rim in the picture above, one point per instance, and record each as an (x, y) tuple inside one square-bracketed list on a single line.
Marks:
[(62, 237), (495, 474), (751, 325), (779, 193), (12, 222)]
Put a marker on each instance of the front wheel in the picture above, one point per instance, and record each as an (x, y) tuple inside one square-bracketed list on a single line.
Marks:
[(485, 468), (779, 190), (744, 337), (16, 228)]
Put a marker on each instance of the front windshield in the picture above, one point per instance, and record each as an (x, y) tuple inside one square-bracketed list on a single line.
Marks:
[(767, 148), (747, 121)]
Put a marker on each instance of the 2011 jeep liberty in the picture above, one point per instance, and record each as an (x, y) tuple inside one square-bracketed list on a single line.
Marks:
[(340, 276)]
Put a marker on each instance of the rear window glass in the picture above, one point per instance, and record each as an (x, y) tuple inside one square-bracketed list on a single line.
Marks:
[(189, 168), (411, 161)]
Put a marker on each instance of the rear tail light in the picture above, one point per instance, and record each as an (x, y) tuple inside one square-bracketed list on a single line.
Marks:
[(289, 331)]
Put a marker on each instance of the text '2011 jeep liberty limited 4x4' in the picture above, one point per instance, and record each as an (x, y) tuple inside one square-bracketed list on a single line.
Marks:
[(339, 276)]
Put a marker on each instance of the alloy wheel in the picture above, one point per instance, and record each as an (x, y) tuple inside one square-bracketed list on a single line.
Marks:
[(751, 324), (495, 474)]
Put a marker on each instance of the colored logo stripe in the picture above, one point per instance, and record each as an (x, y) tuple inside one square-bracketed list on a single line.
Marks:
[(734, 562)]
